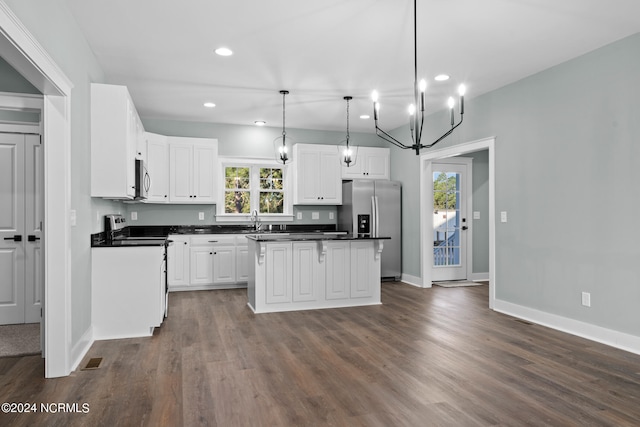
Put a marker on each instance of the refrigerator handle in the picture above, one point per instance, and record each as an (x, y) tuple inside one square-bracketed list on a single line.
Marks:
[(376, 218), (374, 213)]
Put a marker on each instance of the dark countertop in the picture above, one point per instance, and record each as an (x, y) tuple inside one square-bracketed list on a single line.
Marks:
[(156, 235)]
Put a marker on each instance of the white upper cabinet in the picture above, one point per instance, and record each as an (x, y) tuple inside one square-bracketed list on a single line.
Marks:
[(371, 163), (117, 138), (317, 178), (157, 157), (192, 164)]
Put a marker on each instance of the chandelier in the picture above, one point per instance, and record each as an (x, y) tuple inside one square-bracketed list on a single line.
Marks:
[(416, 118)]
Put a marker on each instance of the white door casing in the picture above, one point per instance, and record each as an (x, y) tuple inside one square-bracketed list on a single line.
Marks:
[(426, 205), (21, 50)]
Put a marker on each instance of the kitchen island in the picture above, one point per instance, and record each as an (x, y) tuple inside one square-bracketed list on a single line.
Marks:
[(310, 271)]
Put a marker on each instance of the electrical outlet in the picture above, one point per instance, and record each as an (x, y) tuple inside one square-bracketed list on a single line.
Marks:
[(586, 299), (201, 216), (330, 215), (315, 215), (134, 216), (299, 216), (503, 216), (73, 217)]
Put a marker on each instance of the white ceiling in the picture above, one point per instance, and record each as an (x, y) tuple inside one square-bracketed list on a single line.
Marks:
[(324, 50)]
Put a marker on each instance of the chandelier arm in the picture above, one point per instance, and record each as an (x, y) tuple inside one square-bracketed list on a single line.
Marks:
[(446, 134), (390, 139)]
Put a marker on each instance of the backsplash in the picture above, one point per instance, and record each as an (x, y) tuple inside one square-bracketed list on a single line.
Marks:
[(163, 214)]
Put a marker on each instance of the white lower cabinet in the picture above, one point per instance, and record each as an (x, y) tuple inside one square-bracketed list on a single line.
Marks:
[(178, 262), (362, 277), (242, 261), (308, 275), (278, 273), (201, 266), (207, 261), (127, 291), (224, 264), (338, 271)]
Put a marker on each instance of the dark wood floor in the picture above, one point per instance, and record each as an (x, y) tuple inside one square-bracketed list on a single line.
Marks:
[(425, 357)]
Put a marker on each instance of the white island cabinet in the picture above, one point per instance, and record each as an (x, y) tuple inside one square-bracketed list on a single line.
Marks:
[(299, 272)]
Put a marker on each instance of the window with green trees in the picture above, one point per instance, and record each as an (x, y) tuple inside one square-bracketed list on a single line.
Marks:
[(445, 191), (250, 187)]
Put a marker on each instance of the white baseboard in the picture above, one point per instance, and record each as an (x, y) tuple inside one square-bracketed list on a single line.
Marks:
[(412, 280), (621, 340), (81, 348), (479, 277)]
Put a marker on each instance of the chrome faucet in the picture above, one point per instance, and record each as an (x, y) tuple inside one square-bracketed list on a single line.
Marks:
[(255, 220)]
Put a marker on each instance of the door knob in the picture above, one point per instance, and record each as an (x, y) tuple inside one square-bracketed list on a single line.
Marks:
[(464, 227), (16, 238), (32, 238)]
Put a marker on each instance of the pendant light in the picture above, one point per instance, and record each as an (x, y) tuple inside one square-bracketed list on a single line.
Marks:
[(348, 154), (282, 145)]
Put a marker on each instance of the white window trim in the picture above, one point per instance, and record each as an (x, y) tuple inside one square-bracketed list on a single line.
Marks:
[(224, 162)]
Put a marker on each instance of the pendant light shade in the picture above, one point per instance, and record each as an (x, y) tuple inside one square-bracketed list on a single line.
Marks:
[(348, 152), (282, 145)]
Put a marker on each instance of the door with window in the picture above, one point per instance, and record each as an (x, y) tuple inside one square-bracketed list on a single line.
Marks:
[(21, 219), (450, 220)]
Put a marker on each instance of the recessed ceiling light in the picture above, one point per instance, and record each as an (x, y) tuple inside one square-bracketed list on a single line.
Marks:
[(209, 104), (442, 77), (260, 123), (365, 116), (224, 51)]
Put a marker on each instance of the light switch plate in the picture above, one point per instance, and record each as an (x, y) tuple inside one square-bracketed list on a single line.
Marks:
[(134, 216), (476, 215), (315, 215), (503, 216), (201, 216), (330, 215), (73, 217)]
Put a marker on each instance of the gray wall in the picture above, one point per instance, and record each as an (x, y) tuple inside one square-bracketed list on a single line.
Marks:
[(567, 158), (242, 141), (11, 81), (55, 29)]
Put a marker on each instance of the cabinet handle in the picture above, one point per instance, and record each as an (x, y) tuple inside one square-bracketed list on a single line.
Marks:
[(185, 243)]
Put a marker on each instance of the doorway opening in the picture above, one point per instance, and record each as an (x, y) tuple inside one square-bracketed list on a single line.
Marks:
[(427, 207), (20, 49)]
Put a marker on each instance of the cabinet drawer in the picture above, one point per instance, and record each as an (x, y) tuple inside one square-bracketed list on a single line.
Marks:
[(213, 239)]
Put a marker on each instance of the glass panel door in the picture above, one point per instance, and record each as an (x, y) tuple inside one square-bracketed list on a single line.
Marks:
[(449, 222)]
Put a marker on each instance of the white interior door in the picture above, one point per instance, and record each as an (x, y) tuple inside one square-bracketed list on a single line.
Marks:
[(21, 219), (450, 221), (12, 227)]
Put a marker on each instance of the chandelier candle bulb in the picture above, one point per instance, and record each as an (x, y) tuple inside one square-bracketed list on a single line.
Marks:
[(423, 88), (461, 91), (451, 103)]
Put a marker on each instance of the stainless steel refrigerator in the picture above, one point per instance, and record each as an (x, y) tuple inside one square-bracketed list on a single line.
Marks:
[(373, 209)]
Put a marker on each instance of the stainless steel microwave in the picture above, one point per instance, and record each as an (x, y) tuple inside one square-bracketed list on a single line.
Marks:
[(143, 181)]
